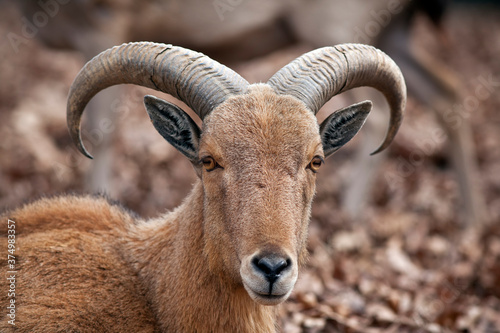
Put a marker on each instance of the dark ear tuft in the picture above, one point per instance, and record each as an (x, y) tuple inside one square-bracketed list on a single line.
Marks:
[(342, 125), (174, 125)]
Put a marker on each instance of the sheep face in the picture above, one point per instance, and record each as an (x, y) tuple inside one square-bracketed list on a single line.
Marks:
[(257, 158), (255, 153)]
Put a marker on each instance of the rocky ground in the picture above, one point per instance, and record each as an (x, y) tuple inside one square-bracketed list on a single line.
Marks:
[(407, 265)]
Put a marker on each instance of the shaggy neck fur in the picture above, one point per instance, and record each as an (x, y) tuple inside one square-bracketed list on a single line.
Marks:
[(170, 258)]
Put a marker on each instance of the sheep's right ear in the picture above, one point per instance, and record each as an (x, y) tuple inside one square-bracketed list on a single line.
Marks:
[(175, 126)]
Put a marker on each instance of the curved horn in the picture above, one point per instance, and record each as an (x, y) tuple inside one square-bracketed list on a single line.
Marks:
[(317, 76), (195, 79)]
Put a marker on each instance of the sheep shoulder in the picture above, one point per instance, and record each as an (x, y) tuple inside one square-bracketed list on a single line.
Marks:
[(70, 272), (89, 213)]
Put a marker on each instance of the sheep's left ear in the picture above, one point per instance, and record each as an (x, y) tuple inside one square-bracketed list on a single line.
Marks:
[(342, 125), (175, 126)]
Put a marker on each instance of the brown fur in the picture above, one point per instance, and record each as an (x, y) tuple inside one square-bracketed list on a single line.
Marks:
[(93, 261), (71, 276)]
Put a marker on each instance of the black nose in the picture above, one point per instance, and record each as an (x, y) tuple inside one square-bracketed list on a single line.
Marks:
[(271, 266)]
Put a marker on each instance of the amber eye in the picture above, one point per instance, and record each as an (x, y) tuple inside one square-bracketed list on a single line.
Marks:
[(209, 163), (315, 163)]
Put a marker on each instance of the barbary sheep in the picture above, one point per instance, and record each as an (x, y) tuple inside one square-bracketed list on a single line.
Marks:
[(233, 248)]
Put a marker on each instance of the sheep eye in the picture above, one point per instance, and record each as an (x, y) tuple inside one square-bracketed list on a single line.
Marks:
[(315, 163), (209, 163)]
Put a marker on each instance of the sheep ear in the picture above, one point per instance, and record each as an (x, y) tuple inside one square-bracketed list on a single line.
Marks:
[(174, 125), (342, 125)]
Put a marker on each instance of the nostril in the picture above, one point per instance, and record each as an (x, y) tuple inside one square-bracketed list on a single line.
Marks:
[(271, 266)]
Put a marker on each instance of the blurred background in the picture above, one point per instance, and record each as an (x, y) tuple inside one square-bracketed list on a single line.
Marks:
[(405, 241)]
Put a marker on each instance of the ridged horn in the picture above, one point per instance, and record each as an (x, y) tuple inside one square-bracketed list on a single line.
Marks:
[(317, 76), (195, 79)]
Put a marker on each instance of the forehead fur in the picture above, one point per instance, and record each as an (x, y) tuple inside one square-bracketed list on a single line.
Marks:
[(262, 121)]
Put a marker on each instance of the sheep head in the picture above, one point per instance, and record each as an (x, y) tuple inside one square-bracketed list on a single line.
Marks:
[(259, 148)]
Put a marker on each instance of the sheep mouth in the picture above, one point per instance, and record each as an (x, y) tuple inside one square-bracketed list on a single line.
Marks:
[(267, 299), (271, 296)]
